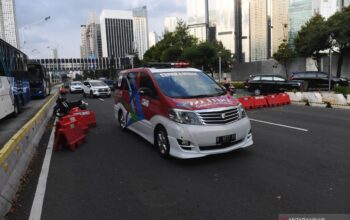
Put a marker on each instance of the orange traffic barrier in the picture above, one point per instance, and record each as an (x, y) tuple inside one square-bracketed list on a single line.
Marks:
[(68, 133), (259, 102), (247, 102)]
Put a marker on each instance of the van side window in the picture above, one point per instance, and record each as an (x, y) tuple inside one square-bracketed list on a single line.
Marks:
[(132, 79), (146, 82)]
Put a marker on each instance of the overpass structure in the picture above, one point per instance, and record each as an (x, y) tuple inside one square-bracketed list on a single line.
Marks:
[(81, 64)]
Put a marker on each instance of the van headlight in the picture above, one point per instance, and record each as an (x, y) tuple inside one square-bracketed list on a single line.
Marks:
[(184, 117), (242, 112)]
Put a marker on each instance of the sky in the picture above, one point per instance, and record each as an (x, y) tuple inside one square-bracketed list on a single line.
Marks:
[(62, 31)]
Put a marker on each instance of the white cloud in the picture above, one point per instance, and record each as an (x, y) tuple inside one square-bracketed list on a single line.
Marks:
[(63, 29)]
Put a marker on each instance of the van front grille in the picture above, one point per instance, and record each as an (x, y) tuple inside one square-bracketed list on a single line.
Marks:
[(222, 116)]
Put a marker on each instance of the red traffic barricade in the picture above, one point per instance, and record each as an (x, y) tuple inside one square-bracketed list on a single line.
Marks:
[(259, 102), (247, 102), (283, 98), (86, 117), (273, 100), (68, 133)]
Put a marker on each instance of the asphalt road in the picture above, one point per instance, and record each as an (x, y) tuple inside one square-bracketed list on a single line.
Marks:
[(118, 175), (10, 125)]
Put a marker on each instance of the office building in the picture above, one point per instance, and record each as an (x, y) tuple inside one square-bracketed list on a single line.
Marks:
[(8, 26), (153, 39), (91, 44), (279, 23), (83, 47), (140, 31), (196, 19), (258, 30), (299, 12), (223, 18), (117, 33), (170, 24), (245, 38)]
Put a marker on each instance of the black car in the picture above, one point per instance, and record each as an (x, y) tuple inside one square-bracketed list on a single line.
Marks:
[(316, 80), (264, 84)]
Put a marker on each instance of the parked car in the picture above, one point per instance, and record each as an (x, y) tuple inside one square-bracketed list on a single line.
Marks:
[(264, 84), (182, 111), (75, 86), (313, 79), (96, 88)]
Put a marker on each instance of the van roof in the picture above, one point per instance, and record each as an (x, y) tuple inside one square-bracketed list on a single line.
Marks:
[(172, 70)]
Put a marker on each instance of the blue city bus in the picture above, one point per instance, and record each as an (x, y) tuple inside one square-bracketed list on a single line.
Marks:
[(14, 81), (40, 85)]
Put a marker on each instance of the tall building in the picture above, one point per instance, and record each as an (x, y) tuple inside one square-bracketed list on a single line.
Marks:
[(140, 31), (196, 20), (8, 26), (279, 23), (83, 47), (258, 30), (299, 12), (245, 38), (170, 24), (153, 39), (224, 21), (117, 33), (91, 45)]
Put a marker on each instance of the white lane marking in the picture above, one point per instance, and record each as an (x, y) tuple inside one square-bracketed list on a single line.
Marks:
[(101, 99), (37, 206), (280, 125)]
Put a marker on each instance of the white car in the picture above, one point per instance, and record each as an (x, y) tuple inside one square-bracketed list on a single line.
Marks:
[(96, 88), (75, 86)]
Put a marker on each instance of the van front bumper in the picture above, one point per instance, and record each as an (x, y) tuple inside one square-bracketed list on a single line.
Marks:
[(201, 140)]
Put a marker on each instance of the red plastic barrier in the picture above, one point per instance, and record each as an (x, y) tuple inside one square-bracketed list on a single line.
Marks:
[(284, 98), (247, 102), (86, 117), (68, 132), (259, 102), (273, 100)]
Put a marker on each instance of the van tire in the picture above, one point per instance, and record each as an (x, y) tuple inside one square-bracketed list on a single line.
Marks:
[(161, 142), (257, 92), (121, 120), (17, 108)]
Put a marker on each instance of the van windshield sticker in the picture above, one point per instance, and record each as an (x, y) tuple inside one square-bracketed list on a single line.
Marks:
[(178, 74)]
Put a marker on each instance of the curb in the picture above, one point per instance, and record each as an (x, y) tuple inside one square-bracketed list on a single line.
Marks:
[(17, 153)]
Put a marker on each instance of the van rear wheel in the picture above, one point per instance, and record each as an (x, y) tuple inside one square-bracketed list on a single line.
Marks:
[(161, 142)]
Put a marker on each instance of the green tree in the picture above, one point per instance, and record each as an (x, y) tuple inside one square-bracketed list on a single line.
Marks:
[(284, 55), (170, 48), (339, 29), (312, 39)]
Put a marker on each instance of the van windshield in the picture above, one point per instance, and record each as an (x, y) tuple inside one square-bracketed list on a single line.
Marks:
[(188, 85)]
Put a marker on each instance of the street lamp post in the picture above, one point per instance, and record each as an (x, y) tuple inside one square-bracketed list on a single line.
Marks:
[(219, 68), (28, 26), (330, 69), (332, 43)]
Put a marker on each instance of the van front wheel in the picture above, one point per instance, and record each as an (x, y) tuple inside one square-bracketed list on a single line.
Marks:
[(161, 142)]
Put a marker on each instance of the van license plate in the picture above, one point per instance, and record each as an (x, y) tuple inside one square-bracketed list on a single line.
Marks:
[(226, 139)]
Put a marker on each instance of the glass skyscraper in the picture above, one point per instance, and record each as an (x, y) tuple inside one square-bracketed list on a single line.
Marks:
[(300, 11)]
